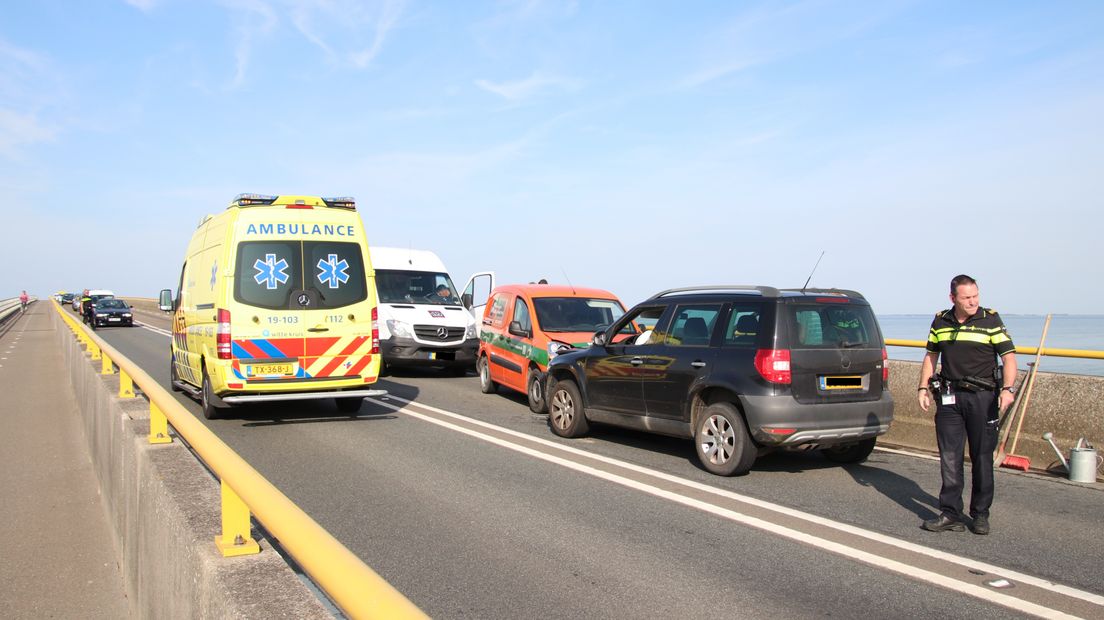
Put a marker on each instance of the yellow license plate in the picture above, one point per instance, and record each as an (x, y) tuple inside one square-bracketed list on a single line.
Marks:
[(270, 370)]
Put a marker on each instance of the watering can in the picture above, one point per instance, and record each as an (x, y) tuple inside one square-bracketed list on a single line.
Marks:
[(1083, 461)]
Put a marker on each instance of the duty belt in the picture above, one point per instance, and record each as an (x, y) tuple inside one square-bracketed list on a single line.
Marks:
[(972, 384)]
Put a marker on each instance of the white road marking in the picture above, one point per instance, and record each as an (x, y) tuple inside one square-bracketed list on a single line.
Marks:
[(156, 330), (863, 556)]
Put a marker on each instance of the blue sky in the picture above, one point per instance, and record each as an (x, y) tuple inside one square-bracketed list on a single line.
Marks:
[(633, 146)]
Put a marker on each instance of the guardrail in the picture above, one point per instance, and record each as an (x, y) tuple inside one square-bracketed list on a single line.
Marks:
[(1077, 353), (358, 590)]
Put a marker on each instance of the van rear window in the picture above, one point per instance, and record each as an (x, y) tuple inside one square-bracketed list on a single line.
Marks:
[(269, 272), (833, 326)]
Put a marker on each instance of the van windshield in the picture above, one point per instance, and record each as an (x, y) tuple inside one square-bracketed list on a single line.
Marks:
[(576, 314), (397, 286), (833, 325), (269, 272)]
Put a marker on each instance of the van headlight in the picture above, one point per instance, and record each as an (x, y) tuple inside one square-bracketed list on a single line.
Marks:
[(470, 332), (399, 329), (556, 347)]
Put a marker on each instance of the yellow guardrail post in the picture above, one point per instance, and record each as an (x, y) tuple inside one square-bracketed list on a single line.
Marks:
[(106, 368), (159, 426), (235, 539), (126, 384), (94, 349)]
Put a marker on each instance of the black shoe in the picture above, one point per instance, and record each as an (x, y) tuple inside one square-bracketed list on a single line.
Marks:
[(943, 523), (980, 526)]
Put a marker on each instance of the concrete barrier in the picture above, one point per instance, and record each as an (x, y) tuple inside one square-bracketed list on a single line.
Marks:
[(164, 511), (1070, 406)]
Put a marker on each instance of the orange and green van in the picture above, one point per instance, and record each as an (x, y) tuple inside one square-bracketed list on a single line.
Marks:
[(526, 325)]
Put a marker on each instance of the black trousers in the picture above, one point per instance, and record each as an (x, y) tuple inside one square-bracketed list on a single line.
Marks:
[(971, 420)]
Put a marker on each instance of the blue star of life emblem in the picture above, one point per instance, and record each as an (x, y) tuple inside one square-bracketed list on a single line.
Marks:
[(214, 272), (271, 271), (332, 272)]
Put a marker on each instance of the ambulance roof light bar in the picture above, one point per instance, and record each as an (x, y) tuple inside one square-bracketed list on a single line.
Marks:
[(248, 200), (341, 202)]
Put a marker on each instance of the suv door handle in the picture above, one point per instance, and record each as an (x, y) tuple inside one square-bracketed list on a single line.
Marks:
[(636, 361), (697, 364)]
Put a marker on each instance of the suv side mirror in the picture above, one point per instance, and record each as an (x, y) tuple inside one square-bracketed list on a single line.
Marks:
[(516, 329), (165, 303), (599, 339)]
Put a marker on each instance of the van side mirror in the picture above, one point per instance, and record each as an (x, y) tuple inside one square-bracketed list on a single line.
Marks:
[(466, 300), (517, 330), (165, 303), (599, 339)]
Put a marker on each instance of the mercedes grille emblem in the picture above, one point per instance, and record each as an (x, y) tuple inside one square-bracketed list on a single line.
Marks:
[(304, 299), (442, 332)]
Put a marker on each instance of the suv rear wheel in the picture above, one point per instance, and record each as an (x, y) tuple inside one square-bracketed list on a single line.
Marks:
[(722, 441), (850, 452), (565, 410)]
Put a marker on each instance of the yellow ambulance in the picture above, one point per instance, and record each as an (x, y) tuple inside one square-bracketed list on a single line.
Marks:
[(276, 301)]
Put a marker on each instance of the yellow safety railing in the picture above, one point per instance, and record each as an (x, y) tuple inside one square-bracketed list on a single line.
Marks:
[(1079, 353), (358, 590)]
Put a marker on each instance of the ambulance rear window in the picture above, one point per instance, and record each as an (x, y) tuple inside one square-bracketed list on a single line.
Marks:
[(270, 272)]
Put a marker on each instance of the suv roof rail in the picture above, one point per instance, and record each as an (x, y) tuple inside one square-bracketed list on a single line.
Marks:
[(765, 291), (838, 291)]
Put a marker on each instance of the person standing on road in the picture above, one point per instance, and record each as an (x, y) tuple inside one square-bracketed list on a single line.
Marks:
[(23, 299), (970, 395)]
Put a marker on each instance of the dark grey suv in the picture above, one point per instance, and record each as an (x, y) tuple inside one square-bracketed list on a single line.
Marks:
[(741, 370)]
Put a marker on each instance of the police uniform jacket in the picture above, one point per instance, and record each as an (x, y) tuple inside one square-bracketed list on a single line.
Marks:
[(969, 349)]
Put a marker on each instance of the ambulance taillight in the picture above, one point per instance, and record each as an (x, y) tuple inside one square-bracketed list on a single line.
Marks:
[(222, 335), (375, 331)]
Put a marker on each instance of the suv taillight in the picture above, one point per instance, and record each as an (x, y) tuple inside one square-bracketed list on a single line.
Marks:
[(885, 369), (774, 365), (375, 331), (222, 335)]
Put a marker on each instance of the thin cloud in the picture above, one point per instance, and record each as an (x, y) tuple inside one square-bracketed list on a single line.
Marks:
[(143, 5), (521, 90), (250, 28), (314, 18), (18, 131)]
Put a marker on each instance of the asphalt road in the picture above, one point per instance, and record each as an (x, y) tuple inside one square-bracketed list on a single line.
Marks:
[(470, 506)]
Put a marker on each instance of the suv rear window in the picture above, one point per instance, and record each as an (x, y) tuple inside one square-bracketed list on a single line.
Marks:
[(269, 271), (833, 325)]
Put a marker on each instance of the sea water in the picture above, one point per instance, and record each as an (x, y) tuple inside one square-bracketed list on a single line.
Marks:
[(1067, 331)]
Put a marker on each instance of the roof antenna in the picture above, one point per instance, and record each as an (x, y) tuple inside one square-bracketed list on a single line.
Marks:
[(564, 271), (409, 252), (812, 272)]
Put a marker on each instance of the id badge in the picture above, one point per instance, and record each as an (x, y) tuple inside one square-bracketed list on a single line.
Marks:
[(948, 397)]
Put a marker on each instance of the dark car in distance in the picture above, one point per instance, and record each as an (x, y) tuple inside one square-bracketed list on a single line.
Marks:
[(741, 370), (111, 311)]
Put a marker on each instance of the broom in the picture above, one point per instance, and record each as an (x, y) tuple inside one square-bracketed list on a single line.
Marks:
[(1013, 460)]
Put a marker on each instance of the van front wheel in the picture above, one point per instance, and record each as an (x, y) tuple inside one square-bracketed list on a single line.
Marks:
[(535, 392)]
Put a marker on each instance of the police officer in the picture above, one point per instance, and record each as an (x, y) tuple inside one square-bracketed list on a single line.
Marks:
[(969, 395), (86, 306)]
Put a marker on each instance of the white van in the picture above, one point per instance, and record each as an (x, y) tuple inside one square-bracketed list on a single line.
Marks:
[(422, 320)]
